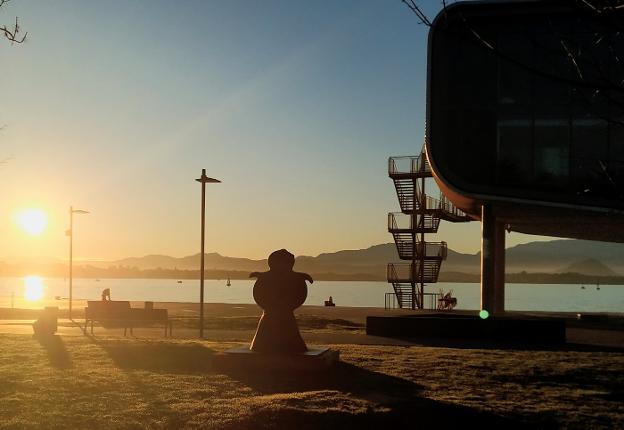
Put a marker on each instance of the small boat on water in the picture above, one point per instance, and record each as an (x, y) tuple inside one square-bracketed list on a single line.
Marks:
[(582, 287), (179, 282)]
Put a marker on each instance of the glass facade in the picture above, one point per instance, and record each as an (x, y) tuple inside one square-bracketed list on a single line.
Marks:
[(528, 104)]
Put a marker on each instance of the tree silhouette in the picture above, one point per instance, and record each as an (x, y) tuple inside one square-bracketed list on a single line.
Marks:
[(12, 33)]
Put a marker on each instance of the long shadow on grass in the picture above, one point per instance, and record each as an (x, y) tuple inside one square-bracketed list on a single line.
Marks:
[(57, 353), (159, 357), (394, 401), (425, 415), (397, 402)]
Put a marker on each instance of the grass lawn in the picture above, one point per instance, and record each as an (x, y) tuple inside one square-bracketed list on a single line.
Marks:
[(110, 382)]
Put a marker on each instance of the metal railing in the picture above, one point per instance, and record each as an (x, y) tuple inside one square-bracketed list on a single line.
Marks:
[(430, 299), (445, 205), (408, 165), (406, 201), (400, 221), (390, 301), (391, 272), (432, 249), (408, 249), (408, 272)]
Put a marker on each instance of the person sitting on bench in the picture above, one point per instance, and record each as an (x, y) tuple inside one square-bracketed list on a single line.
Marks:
[(106, 295)]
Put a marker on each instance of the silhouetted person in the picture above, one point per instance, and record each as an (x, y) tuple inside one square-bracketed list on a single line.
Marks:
[(330, 302), (106, 295), (279, 292)]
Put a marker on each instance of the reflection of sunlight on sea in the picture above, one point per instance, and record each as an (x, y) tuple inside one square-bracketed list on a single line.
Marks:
[(33, 288)]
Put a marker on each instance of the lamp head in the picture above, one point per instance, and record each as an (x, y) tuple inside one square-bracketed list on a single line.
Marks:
[(205, 179)]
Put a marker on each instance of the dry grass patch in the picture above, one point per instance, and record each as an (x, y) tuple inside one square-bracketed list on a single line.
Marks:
[(108, 383)]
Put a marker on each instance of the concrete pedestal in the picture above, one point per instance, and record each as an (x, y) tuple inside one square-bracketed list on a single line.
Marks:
[(314, 359), (505, 329)]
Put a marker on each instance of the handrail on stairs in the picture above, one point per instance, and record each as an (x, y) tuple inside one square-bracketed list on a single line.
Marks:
[(408, 165)]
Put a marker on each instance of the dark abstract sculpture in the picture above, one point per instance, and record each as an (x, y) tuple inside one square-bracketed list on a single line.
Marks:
[(279, 292)]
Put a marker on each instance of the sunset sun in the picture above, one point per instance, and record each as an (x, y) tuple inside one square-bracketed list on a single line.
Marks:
[(32, 221)]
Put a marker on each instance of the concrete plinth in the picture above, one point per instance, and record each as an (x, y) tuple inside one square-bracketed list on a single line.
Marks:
[(314, 359), (509, 329)]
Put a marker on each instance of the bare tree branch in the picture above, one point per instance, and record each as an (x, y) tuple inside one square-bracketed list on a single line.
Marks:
[(411, 4), (12, 34)]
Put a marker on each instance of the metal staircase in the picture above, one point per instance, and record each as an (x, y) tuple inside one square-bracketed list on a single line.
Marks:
[(420, 214)]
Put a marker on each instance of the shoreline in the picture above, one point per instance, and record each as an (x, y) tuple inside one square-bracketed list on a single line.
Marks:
[(188, 308), (318, 324), (472, 279), (221, 309)]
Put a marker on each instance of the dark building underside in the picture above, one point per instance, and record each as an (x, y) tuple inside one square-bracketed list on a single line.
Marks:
[(526, 113)]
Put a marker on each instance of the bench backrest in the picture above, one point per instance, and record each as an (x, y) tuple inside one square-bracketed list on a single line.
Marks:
[(107, 309), (139, 314)]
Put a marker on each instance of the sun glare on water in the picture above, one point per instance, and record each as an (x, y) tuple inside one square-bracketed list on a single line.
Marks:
[(32, 221), (33, 288)]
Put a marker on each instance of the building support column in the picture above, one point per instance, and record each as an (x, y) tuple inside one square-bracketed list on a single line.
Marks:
[(499, 268), (488, 258), (492, 261)]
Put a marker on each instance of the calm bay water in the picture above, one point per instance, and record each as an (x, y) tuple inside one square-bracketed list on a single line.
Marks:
[(527, 297)]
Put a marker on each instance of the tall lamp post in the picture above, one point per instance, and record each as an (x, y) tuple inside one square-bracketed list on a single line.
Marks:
[(204, 180), (70, 233)]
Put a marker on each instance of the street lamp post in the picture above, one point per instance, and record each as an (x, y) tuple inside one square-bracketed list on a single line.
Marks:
[(70, 233), (204, 180)]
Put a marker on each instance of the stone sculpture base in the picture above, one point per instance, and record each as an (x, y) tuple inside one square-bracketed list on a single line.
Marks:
[(313, 360)]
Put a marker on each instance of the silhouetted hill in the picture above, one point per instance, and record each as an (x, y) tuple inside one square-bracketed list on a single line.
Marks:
[(553, 255), (464, 263), (370, 263), (211, 261), (589, 266), (542, 257)]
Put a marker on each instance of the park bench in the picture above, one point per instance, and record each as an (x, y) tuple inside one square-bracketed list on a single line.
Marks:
[(120, 313)]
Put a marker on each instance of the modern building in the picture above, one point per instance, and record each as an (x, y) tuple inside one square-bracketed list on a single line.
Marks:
[(525, 122)]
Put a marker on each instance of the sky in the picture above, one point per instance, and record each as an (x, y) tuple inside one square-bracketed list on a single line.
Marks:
[(115, 107)]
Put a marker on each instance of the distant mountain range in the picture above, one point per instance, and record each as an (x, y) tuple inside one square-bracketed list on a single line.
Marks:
[(553, 257), (557, 256)]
